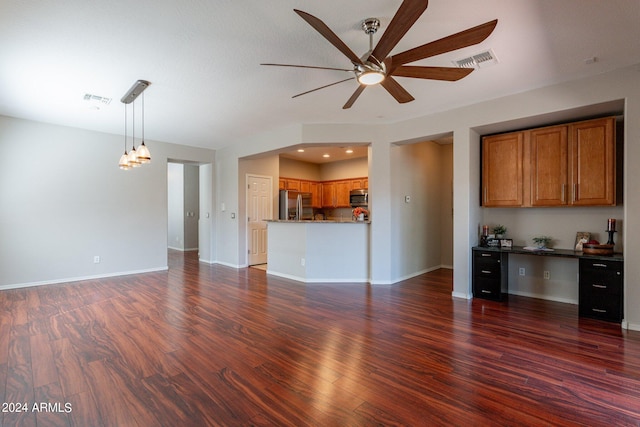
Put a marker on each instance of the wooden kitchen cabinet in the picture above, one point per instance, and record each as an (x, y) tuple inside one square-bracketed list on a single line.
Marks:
[(343, 188), (359, 183), (566, 165), (335, 194), (549, 166), (502, 177), (328, 194), (292, 184), (593, 162), (316, 194)]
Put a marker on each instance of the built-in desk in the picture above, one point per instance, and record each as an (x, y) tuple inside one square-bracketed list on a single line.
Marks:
[(600, 278)]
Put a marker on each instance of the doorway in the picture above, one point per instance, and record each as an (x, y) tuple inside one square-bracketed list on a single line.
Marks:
[(190, 196)]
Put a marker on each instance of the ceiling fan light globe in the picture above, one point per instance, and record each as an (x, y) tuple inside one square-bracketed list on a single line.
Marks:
[(370, 77)]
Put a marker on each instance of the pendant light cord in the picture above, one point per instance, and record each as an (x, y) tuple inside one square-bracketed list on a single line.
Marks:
[(133, 127), (125, 128)]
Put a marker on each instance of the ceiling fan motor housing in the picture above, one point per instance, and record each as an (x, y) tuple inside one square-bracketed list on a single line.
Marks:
[(370, 25)]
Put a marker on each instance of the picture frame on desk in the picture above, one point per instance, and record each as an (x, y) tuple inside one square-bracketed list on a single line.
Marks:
[(506, 243)]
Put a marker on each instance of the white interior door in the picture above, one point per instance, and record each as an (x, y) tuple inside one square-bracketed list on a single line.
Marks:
[(259, 209)]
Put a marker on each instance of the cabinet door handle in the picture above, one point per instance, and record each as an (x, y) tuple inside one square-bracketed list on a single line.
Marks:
[(564, 186), (599, 286), (575, 192), (486, 254), (600, 265), (484, 291), (485, 271), (598, 310), (485, 194)]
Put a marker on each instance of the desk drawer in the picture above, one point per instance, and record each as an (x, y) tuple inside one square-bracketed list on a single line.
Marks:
[(487, 288)]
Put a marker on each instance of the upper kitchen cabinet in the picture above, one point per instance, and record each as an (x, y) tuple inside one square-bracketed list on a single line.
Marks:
[(360, 184), (292, 184), (502, 170), (565, 165), (335, 194), (593, 162), (548, 166), (316, 194)]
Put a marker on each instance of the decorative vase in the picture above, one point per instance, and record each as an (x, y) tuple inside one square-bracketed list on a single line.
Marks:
[(361, 217)]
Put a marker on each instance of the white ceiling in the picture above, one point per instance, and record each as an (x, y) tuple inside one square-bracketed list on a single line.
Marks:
[(208, 89)]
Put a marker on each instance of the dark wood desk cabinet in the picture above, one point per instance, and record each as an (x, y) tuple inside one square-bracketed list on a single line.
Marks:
[(490, 274), (600, 293), (600, 278)]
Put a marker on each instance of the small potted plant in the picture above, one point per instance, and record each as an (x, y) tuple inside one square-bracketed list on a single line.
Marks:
[(499, 231), (542, 242)]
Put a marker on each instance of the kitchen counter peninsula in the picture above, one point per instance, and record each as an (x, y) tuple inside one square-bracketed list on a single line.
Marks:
[(319, 251)]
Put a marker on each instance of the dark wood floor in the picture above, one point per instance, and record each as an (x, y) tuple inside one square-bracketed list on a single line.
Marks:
[(210, 345)]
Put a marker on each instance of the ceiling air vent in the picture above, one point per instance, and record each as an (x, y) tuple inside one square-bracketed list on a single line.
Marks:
[(96, 102), (479, 60)]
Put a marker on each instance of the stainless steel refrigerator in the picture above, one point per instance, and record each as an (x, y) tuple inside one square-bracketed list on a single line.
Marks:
[(295, 205)]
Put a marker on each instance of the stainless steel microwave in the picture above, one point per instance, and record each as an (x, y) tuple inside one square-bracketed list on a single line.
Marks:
[(359, 198)]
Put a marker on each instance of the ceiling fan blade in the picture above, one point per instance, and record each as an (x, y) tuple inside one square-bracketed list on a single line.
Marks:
[(326, 32), (308, 66), (459, 40), (450, 74), (405, 17), (353, 98), (322, 87), (397, 91)]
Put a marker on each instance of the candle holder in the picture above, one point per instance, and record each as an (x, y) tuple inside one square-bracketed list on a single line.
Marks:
[(610, 241)]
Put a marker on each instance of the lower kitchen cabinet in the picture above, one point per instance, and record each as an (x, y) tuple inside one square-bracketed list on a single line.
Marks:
[(600, 293), (490, 274)]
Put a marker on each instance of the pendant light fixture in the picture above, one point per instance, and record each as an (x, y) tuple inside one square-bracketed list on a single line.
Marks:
[(134, 158)]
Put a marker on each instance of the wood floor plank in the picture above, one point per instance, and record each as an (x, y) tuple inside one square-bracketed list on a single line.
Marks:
[(210, 345)]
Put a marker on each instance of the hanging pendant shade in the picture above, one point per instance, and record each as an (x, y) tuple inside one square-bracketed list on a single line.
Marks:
[(143, 154), (134, 158), (124, 162)]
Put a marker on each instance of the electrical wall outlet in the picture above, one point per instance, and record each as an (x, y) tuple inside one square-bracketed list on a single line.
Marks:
[(302, 262), (521, 271), (546, 275), (96, 259)]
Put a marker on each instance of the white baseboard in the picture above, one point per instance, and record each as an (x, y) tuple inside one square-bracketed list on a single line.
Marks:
[(303, 280), (630, 326), (545, 297), (81, 278), (461, 295), (227, 264)]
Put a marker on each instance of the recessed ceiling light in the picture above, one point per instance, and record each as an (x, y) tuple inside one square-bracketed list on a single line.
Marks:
[(349, 151), (300, 150), (326, 155)]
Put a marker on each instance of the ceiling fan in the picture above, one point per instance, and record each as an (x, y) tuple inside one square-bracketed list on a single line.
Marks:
[(375, 67)]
